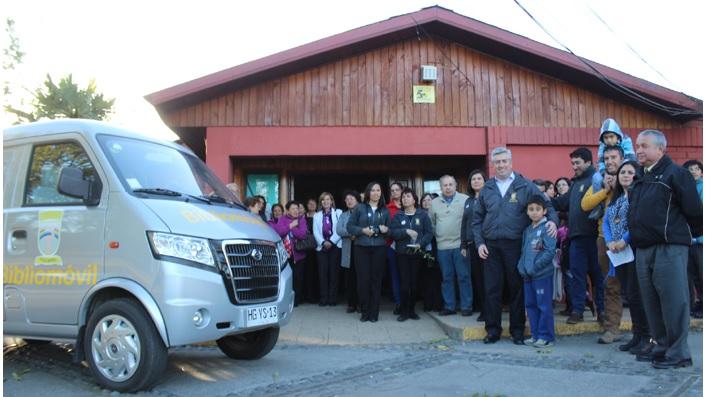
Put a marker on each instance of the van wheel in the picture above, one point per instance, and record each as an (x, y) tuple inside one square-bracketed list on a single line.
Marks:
[(123, 349), (249, 346)]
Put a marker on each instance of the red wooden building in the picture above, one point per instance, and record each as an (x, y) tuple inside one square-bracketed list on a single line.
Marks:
[(339, 112)]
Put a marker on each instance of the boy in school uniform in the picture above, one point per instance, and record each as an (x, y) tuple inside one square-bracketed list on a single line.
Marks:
[(537, 270)]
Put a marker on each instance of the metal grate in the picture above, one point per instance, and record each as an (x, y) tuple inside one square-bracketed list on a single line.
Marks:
[(254, 271)]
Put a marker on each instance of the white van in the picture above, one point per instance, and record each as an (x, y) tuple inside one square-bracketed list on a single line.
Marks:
[(126, 246)]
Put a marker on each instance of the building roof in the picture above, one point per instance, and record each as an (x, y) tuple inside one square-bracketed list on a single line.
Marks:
[(435, 21)]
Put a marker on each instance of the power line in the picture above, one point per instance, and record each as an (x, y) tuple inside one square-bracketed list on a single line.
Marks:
[(628, 45), (672, 111)]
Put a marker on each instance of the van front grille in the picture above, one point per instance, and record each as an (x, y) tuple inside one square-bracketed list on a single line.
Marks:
[(254, 271)]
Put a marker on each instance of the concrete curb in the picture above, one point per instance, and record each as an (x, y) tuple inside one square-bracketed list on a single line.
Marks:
[(477, 330)]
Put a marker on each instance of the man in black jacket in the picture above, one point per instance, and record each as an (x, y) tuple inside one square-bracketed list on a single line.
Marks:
[(583, 231), (664, 211), (499, 219)]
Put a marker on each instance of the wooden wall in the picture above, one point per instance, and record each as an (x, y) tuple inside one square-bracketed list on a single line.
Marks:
[(375, 88)]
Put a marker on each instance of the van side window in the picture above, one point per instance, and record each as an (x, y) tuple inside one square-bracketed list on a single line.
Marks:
[(46, 165)]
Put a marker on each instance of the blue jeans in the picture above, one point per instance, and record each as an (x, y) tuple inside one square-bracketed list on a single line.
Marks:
[(583, 260), (452, 264), (540, 311), (394, 274)]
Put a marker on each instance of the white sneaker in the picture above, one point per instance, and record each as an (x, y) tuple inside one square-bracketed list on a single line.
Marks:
[(530, 341), (539, 343)]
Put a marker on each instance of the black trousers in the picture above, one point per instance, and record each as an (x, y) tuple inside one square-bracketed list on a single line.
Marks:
[(311, 277), (628, 277), (370, 268), (329, 262), (351, 285), (695, 271), (431, 285), (299, 270), (500, 273), (409, 266), (477, 278)]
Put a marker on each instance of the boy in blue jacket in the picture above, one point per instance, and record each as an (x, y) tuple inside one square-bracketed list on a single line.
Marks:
[(537, 271)]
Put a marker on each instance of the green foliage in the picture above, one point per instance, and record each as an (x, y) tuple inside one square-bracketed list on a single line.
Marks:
[(63, 100), (66, 100)]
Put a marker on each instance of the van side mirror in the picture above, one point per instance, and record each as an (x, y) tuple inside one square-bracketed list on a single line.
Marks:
[(72, 184)]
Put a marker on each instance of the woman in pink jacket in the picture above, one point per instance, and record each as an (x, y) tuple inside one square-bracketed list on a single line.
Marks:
[(292, 227)]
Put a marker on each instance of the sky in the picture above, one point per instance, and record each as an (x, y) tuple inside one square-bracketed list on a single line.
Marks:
[(133, 48)]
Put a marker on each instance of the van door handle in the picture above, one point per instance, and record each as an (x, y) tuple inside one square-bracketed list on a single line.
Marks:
[(19, 234)]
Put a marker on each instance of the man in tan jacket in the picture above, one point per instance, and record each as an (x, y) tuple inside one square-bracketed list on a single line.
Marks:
[(446, 214)]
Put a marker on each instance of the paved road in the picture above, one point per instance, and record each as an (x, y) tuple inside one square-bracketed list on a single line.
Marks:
[(575, 366)]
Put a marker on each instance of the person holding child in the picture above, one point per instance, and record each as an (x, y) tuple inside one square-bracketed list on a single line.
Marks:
[(537, 270)]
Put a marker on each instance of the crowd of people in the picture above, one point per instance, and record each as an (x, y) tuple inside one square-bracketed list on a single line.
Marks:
[(624, 231)]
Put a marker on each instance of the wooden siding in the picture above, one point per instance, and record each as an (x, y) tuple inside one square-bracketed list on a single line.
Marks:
[(375, 88)]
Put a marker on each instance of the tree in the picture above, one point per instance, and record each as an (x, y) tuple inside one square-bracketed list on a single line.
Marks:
[(62, 100)]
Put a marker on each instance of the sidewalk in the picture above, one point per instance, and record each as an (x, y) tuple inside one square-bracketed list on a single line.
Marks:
[(328, 325), (467, 328), (331, 325)]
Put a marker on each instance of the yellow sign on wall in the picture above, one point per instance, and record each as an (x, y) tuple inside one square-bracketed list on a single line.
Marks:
[(423, 94)]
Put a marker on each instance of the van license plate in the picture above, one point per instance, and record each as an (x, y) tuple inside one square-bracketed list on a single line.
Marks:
[(261, 315)]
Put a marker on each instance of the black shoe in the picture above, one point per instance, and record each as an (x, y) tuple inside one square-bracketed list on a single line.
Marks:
[(491, 339), (481, 318), (574, 318), (640, 346), (632, 343), (518, 341), (364, 318), (669, 363), (350, 309), (447, 312), (466, 313), (565, 312), (648, 354), (322, 304), (402, 318), (332, 304), (396, 310), (373, 319), (414, 316)]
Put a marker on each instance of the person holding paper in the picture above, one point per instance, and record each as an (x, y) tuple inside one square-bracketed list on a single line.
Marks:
[(412, 232), (617, 238)]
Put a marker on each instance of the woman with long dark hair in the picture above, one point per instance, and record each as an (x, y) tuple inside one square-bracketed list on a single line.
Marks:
[(476, 181), (369, 223), (617, 238)]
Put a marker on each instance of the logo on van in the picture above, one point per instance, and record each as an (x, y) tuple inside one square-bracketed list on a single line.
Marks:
[(256, 254), (49, 238)]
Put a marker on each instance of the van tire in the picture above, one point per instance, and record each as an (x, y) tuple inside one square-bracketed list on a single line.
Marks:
[(249, 346), (136, 327)]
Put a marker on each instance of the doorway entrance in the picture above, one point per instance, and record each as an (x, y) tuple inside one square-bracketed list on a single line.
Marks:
[(311, 185)]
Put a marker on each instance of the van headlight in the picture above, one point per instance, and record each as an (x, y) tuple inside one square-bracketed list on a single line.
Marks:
[(282, 255), (192, 249)]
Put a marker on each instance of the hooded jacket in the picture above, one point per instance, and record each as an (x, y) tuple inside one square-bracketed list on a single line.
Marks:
[(610, 125), (499, 217), (664, 206), (538, 250), (579, 223)]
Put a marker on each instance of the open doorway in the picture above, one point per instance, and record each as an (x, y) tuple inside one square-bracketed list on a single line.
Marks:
[(311, 185)]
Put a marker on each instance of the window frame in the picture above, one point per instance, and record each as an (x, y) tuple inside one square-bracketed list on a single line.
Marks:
[(25, 204)]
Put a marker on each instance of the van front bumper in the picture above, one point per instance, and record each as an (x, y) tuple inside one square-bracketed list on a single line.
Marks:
[(196, 307)]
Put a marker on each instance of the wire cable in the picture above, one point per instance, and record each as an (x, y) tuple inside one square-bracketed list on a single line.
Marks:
[(672, 111)]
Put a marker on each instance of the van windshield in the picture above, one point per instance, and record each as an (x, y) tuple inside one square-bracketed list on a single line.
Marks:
[(159, 170)]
